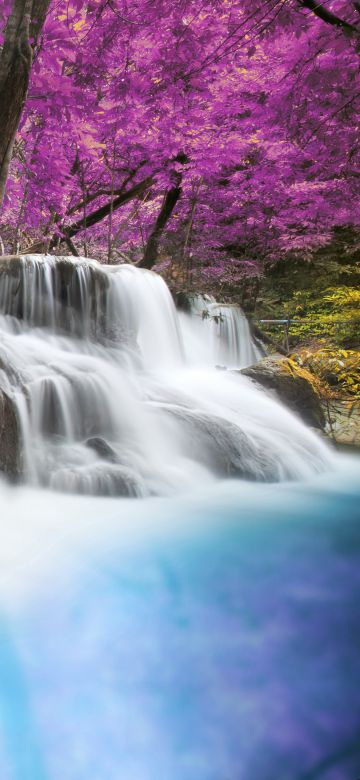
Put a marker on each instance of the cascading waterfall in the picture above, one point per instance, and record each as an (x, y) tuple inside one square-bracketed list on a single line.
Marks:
[(118, 394), (218, 334)]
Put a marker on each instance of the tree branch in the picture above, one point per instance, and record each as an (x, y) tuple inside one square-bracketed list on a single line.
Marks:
[(327, 16), (99, 214)]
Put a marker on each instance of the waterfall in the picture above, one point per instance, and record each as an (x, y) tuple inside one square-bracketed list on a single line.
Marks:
[(118, 394), (218, 334)]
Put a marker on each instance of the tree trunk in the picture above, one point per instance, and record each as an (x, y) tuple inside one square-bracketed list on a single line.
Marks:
[(21, 34), (170, 200)]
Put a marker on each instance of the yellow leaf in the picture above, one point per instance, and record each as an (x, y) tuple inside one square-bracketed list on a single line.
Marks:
[(79, 25)]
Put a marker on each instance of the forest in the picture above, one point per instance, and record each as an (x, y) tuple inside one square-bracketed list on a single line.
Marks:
[(216, 144), (179, 389)]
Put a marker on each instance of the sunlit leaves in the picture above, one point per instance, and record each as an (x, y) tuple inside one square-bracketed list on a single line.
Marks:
[(264, 101)]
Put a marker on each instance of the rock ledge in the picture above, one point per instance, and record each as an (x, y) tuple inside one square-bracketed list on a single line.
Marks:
[(292, 385)]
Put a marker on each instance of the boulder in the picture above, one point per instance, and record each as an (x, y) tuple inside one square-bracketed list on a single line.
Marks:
[(10, 443), (102, 448), (292, 385)]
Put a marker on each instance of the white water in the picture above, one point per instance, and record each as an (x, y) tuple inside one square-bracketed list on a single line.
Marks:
[(119, 395), (218, 334)]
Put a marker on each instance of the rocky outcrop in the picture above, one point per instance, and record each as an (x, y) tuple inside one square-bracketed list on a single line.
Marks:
[(10, 447), (292, 385)]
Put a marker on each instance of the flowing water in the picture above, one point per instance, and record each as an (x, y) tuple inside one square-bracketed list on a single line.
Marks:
[(111, 399), (218, 334), (207, 630)]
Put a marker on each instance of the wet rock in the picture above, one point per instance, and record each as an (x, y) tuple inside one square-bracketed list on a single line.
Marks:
[(183, 301), (102, 448), (10, 443), (225, 448), (290, 384), (190, 301)]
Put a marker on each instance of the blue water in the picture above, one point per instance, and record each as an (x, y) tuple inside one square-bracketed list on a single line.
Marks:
[(214, 637)]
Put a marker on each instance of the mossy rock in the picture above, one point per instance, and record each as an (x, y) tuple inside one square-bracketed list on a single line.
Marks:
[(291, 384)]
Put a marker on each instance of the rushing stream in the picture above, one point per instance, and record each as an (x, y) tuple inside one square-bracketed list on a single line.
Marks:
[(210, 628)]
